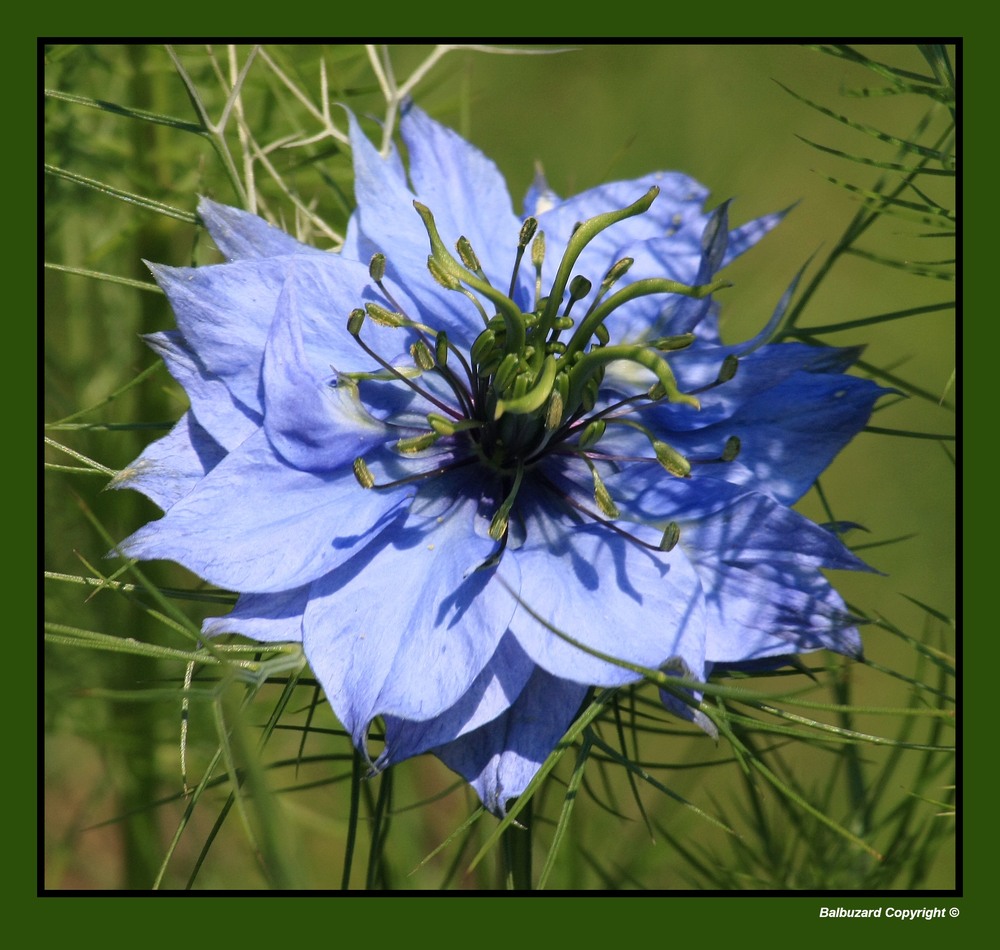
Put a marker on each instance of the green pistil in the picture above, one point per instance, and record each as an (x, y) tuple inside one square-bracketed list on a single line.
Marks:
[(534, 398), (641, 288), (520, 393), (511, 313), (592, 363), (580, 239)]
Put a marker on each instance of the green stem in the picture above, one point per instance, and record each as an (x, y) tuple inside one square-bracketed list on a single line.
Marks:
[(515, 852)]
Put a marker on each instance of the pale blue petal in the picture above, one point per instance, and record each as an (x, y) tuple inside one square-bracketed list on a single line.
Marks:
[(492, 693), (228, 421), (244, 236), (406, 626), (256, 524), (675, 217), (313, 417), (466, 192), (172, 466), (270, 618), (387, 222), (607, 593), (225, 313), (502, 757)]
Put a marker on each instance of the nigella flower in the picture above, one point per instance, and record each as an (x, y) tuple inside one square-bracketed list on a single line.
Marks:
[(425, 454)]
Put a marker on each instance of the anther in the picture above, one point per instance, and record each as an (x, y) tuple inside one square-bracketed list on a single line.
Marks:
[(422, 355), (441, 348), (468, 257), (601, 494), (384, 317), (728, 369), (527, 233), (579, 287), (537, 259), (671, 535), (416, 443), (554, 411), (446, 280), (731, 448), (355, 322), (668, 343), (498, 526), (363, 474), (671, 459), (528, 230), (591, 434), (376, 268)]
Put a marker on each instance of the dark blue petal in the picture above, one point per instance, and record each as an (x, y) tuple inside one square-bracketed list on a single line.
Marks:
[(790, 433), (757, 562)]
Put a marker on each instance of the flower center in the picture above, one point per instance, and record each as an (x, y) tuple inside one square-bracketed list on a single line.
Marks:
[(530, 386)]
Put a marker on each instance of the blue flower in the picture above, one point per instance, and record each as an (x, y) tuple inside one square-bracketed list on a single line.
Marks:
[(421, 455)]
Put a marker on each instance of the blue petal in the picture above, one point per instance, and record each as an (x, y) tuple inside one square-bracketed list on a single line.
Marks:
[(256, 524), (540, 197), (685, 314), (172, 466), (764, 595), (224, 313), (492, 693), (744, 237), (228, 421), (604, 591), (466, 192), (270, 618), (502, 757), (699, 367), (244, 236), (790, 433), (406, 626), (387, 222), (313, 418), (675, 218)]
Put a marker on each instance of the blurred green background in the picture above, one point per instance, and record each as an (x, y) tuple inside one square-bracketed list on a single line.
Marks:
[(587, 115)]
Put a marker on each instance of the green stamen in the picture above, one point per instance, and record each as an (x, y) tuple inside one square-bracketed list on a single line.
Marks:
[(498, 526)]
